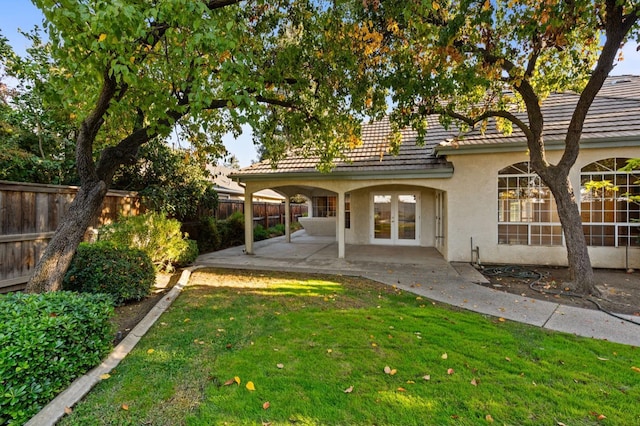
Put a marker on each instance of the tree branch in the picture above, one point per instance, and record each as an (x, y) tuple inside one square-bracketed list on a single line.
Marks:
[(89, 129), (616, 27), (490, 114), (217, 4)]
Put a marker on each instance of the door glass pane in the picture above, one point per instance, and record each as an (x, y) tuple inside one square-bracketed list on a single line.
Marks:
[(382, 216), (406, 217)]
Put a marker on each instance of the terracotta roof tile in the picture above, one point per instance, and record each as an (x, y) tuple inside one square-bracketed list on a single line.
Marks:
[(615, 113)]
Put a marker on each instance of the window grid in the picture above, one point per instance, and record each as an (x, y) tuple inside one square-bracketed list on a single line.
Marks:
[(609, 214), (324, 206), (527, 213)]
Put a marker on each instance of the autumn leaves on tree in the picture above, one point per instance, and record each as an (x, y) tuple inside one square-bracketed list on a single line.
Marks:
[(474, 63)]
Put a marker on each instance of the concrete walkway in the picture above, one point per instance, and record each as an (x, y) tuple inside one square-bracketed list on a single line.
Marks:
[(423, 271)]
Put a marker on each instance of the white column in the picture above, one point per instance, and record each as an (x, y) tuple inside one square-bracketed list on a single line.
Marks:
[(340, 224), (248, 221), (287, 219)]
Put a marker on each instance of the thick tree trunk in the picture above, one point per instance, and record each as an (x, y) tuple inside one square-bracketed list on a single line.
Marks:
[(580, 270), (57, 257)]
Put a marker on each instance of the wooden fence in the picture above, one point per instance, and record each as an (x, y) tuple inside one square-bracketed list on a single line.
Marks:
[(264, 213), (29, 215)]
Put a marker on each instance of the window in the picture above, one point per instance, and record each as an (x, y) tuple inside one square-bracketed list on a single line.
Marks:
[(610, 203), (347, 211), (527, 212), (324, 206)]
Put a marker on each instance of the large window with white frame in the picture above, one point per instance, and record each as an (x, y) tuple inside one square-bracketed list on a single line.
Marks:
[(610, 203), (527, 212)]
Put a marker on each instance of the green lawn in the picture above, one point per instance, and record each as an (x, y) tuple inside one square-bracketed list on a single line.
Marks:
[(316, 349)]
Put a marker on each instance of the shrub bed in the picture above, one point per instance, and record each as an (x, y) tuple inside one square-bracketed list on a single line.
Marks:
[(123, 273), (153, 233), (46, 341)]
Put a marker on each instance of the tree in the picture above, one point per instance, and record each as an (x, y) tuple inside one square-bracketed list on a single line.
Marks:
[(470, 61), (170, 181), (232, 162), (127, 71)]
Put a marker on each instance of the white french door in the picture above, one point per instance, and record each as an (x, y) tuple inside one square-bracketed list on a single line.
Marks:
[(396, 218)]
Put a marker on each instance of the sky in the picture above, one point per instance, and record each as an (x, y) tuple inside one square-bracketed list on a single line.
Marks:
[(22, 14)]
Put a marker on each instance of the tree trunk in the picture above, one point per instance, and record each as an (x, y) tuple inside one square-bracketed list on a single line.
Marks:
[(580, 270), (57, 257)]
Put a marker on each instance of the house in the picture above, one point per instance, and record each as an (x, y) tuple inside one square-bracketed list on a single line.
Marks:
[(477, 195), (228, 189)]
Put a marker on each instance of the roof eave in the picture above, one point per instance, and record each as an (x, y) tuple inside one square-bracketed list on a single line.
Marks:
[(434, 173), (495, 148)]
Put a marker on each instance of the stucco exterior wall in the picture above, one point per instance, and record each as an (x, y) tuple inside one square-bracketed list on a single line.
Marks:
[(470, 205), (472, 212)]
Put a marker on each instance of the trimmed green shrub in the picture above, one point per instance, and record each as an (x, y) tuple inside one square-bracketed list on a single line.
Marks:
[(46, 341), (209, 234), (153, 233), (276, 230), (233, 230), (259, 233), (188, 256), (124, 273)]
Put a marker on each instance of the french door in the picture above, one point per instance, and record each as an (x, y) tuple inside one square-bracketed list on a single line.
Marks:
[(396, 218)]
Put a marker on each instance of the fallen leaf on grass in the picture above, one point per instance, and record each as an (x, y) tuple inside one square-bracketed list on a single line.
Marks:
[(402, 390), (250, 386), (502, 319), (105, 376), (390, 371), (266, 405), (236, 379), (427, 377), (474, 382), (68, 410), (348, 390), (603, 359), (229, 382), (507, 358), (636, 369), (280, 365), (125, 407), (488, 418), (450, 371), (444, 356), (150, 351)]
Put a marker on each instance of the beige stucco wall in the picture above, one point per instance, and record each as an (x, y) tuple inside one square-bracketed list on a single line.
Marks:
[(472, 212), (470, 209)]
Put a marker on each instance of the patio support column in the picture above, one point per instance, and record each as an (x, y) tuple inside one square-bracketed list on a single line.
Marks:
[(287, 219), (248, 222), (340, 224)]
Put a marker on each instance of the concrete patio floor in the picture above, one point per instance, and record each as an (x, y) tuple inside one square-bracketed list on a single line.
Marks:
[(423, 271)]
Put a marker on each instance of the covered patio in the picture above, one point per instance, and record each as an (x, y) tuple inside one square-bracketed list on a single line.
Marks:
[(318, 254)]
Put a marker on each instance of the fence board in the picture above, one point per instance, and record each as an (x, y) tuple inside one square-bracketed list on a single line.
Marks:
[(29, 216)]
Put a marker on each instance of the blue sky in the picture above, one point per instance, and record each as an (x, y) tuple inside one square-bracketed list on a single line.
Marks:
[(21, 14)]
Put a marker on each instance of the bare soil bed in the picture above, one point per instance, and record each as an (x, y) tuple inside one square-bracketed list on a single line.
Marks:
[(620, 289), (127, 316)]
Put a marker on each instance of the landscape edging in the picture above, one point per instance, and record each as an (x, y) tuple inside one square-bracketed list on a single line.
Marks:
[(57, 408)]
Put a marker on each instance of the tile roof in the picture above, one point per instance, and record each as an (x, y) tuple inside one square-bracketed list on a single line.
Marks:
[(615, 113)]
